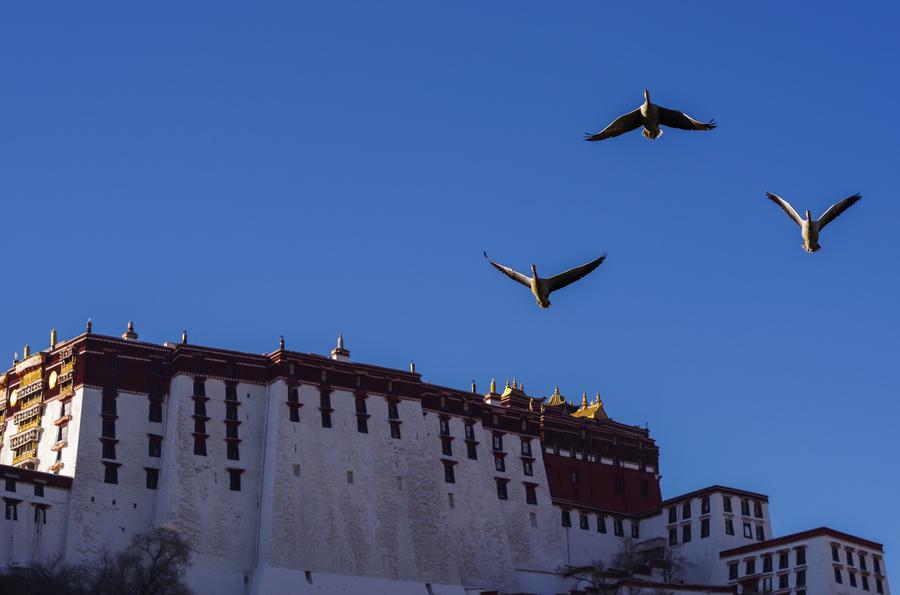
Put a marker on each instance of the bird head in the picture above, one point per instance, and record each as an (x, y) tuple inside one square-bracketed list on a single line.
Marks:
[(646, 95), (534, 271)]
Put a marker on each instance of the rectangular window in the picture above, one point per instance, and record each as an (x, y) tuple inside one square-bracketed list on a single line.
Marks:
[(109, 428), (200, 445), (583, 521), (499, 463), (801, 578), (200, 407), (876, 564), (155, 413), (862, 560), (445, 427), (801, 556), (526, 448), (10, 484), (686, 510), (757, 509), (498, 442), (849, 555), (326, 419), (767, 584), (852, 577), (685, 533), (12, 511), (750, 566), (361, 406), (760, 533), (783, 581), (502, 493), (470, 431), (704, 528), (635, 530), (673, 514), (835, 553), (231, 412), (293, 394), (109, 450), (40, 515), (152, 478), (704, 505), (783, 560), (566, 519), (879, 588), (838, 577), (395, 430), (447, 446), (154, 446), (618, 528), (471, 451), (530, 493), (39, 490), (232, 451), (110, 473), (199, 425), (231, 392), (601, 524), (109, 406), (393, 411), (748, 531), (448, 472), (767, 563), (199, 387), (732, 571), (294, 414), (726, 503), (234, 480), (745, 507), (673, 536), (865, 582), (527, 468), (729, 527), (231, 429), (362, 424)]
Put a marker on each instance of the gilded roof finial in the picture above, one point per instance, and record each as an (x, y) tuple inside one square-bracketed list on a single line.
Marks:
[(584, 400), (52, 338), (340, 343), (129, 334), (474, 388), (530, 404), (281, 342), (412, 366), (26, 352), (339, 352), (15, 358), (599, 401), (514, 382), (493, 386), (184, 337), (521, 386), (507, 383), (89, 326)]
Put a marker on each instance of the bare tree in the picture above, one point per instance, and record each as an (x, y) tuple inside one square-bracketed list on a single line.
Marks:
[(617, 577)]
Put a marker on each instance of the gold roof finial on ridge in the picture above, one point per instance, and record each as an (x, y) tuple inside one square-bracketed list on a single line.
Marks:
[(584, 403), (184, 337), (556, 398), (412, 366), (530, 404), (281, 342), (52, 338), (129, 334), (591, 410), (26, 352), (474, 388), (89, 326), (493, 386)]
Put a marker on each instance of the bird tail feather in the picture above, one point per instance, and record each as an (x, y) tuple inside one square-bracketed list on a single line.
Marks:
[(652, 135)]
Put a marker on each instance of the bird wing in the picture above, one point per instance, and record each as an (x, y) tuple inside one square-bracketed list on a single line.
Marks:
[(620, 125), (572, 275), (786, 206), (836, 209), (511, 273), (676, 119)]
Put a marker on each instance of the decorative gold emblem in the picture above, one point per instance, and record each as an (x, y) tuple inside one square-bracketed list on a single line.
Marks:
[(13, 397), (53, 377)]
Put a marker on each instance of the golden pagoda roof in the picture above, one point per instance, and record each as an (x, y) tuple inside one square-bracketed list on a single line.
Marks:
[(556, 399), (591, 410)]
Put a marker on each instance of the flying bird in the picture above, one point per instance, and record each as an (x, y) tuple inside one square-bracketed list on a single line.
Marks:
[(809, 227), (542, 288), (651, 117)]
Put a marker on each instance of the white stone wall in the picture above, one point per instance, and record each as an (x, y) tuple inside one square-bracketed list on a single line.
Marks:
[(23, 541)]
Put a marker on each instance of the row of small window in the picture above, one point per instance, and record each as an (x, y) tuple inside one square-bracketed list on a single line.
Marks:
[(111, 475), (686, 531), (592, 457), (230, 389), (12, 511), (584, 522), (726, 505), (863, 580), (325, 409), (11, 487), (783, 564), (836, 556), (783, 582)]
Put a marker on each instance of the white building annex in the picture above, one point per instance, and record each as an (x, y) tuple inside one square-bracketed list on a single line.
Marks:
[(297, 473)]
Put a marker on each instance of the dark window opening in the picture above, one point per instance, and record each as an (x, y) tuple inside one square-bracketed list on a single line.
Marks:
[(152, 478), (200, 446), (155, 413), (233, 452), (109, 450), (472, 451), (566, 519), (685, 533), (704, 528), (154, 446), (530, 493), (501, 489), (110, 473), (234, 480)]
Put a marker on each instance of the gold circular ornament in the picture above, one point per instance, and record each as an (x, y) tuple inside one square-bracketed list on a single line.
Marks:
[(13, 397), (53, 377)]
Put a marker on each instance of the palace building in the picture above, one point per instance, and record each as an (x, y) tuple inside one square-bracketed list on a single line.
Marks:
[(292, 472)]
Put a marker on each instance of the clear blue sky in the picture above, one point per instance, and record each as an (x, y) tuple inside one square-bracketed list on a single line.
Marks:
[(244, 172)]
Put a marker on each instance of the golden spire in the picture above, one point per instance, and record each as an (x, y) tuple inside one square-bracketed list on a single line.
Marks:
[(26, 352), (474, 388), (530, 404), (599, 402), (52, 338), (129, 334), (184, 337), (89, 326), (15, 358), (493, 386), (584, 400), (521, 386), (556, 398), (412, 366), (507, 383), (281, 342), (340, 343)]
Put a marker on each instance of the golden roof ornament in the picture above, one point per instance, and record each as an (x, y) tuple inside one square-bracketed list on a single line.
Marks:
[(89, 326), (281, 342), (26, 352), (184, 337), (412, 366), (339, 352), (129, 334), (15, 358), (556, 398), (584, 402), (530, 404), (474, 388), (52, 338), (493, 385)]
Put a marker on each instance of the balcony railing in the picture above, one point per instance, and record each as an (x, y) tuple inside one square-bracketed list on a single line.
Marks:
[(25, 456), (32, 423)]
